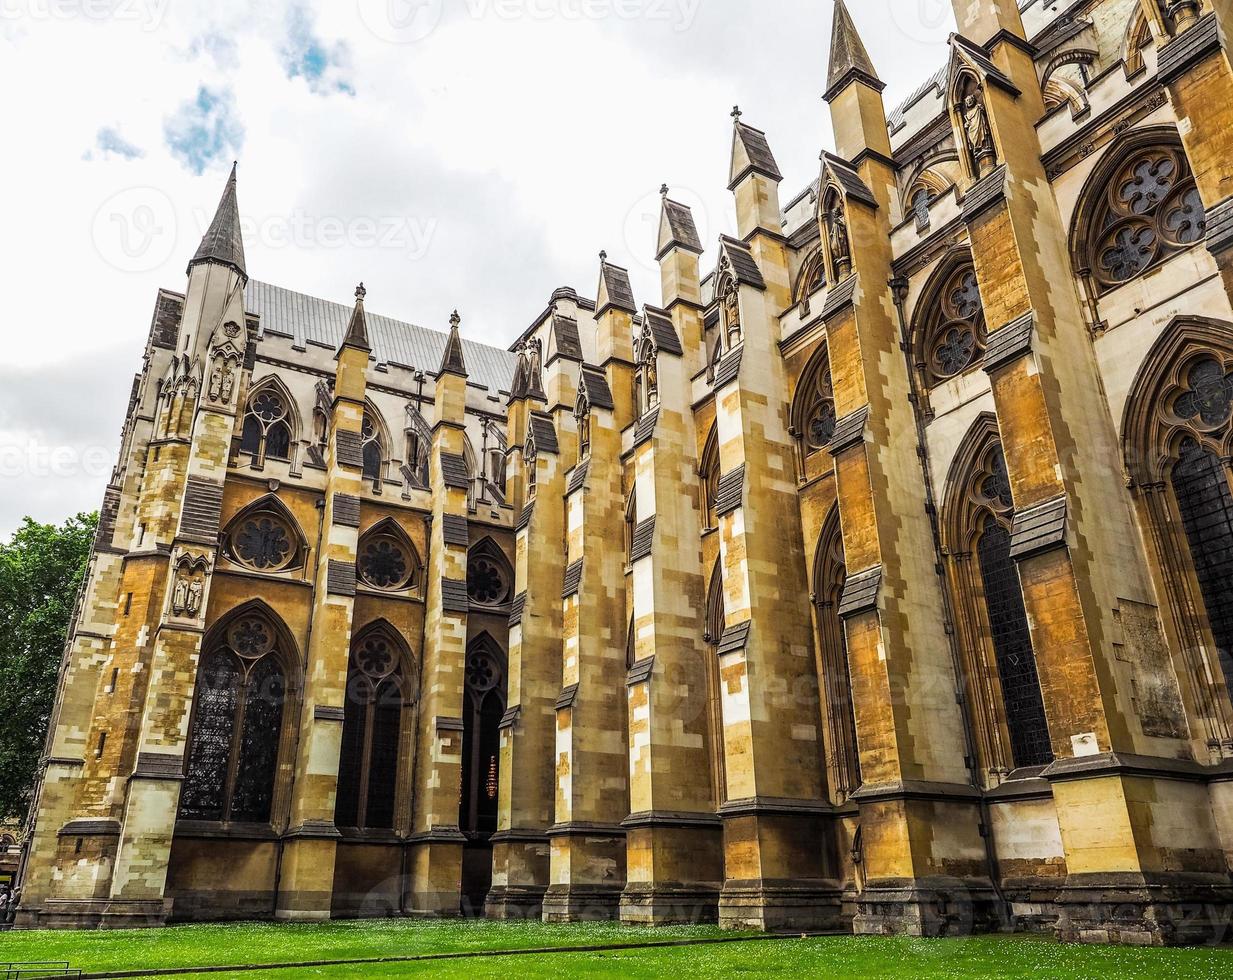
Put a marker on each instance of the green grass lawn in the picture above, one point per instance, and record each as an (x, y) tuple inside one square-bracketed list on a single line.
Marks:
[(846, 956)]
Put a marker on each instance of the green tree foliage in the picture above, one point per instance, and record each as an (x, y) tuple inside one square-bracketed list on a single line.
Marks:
[(41, 570)]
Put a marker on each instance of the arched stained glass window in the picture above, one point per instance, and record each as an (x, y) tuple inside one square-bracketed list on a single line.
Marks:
[(377, 693), (236, 731)]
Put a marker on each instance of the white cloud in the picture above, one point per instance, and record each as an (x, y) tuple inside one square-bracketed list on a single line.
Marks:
[(478, 165)]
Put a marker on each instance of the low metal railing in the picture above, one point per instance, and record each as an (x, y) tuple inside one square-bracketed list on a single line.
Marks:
[(37, 970)]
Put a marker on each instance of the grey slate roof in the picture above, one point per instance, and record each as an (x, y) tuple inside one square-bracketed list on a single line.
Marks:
[(684, 231), (309, 319), (848, 54), (620, 293), (662, 330), (744, 268), (759, 152), (595, 384), (569, 343), (222, 241)]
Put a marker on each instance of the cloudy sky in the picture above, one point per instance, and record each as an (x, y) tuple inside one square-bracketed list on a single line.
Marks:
[(450, 153)]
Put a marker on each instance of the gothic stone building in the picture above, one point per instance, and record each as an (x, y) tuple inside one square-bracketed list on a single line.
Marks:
[(877, 578)]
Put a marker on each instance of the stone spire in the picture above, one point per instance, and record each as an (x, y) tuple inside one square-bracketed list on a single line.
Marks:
[(223, 243), (452, 361), (357, 330), (849, 59)]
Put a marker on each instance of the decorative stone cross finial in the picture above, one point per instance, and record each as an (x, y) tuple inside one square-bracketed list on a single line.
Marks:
[(360, 292), (663, 191), (455, 319), (736, 113)]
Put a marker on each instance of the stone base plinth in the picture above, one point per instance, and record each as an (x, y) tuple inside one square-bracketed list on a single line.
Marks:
[(1145, 910), (582, 903), (782, 906), (929, 907), (94, 914), (669, 904), (521, 862)]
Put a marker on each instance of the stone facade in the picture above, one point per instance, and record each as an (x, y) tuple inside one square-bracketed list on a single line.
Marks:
[(875, 578)]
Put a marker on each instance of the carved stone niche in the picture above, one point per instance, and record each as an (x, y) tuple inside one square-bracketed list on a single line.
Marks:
[(188, 585)]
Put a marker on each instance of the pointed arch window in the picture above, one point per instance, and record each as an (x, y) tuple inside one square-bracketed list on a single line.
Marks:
[(1000, 663), (813, 408), (489, 577), (267, 426), (1178, 442), (1142, 210), (373, 451), (264, 537), (709, 471), (379, 693), (237, 724), (716, 623), (387, 560), (952, 337), (483, 708), (829, 578)]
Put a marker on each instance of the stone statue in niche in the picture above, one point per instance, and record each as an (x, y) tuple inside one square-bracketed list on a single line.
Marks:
[(732, 315), (228, 382), (840, 244), (652, 376), (179, 594), (193, 603), (222, 380), (216, 384), (189, 588), (976, 131)]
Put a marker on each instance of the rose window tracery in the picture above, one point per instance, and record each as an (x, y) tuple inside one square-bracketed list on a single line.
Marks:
[(1150, 211), (486, 581), (955, 337), (384, 563), (1207, 400), (263, 541)]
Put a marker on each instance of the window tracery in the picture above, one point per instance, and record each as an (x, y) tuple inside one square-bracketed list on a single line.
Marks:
[(267, 426), (488, 575), (484, 705), (373, 450), (709, 471), (264, 538), (1004, 686), (386, 560), (953, 338), (378, 691), (1148, 211), (236, 730)]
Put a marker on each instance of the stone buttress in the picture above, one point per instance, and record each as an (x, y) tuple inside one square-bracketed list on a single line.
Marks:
[(591, 763), (306, 884), (539, 443), (674, 845), (909, 727), (437, 842), (778, 872), (111, 854), (1074, 538)]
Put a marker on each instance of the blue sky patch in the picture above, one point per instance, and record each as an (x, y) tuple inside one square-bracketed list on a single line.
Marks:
[(204, 129), (109, 143), (305, 55)]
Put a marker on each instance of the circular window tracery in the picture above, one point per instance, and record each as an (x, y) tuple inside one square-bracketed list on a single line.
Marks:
[(956, 339), (483, 670), (1151, 210), (264, 542), (250, 637), (385, 563), (487, 583)]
